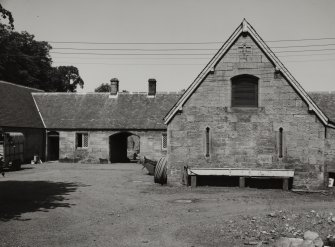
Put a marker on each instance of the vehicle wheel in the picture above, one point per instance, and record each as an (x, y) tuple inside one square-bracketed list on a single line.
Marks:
[(160, 175)]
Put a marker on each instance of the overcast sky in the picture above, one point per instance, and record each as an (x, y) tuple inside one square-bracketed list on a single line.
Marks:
[(312, 62)]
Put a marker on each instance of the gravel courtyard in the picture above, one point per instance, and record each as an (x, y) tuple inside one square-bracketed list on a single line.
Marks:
[(58, 204)]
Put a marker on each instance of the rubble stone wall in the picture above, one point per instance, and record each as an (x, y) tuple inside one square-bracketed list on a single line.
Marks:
[(98, 145), (330, 150), (248, 137)]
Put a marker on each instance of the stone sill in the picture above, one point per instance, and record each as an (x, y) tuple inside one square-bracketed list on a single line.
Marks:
[(245, 109)]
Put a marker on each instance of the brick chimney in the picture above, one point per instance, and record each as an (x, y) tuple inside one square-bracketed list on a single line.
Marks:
[(114, 86), (152, 87)]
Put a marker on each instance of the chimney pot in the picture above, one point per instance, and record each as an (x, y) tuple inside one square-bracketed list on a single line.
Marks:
[(114, 86), (152, 87)]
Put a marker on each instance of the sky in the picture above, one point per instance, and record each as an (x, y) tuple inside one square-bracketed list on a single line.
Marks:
[(201, 25)]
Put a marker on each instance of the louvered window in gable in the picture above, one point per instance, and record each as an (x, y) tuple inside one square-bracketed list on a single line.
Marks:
[(244, 91)]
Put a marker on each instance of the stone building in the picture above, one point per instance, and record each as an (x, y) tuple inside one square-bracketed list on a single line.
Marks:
[(245, 110), (105, 127), (18, 113)]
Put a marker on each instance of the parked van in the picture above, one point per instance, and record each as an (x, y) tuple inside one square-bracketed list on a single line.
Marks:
[(11, 150)]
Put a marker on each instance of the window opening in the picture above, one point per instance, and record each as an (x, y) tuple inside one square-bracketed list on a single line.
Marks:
[(244, 91), (207, 142), (280, 142), (82, 140), (164, 141)]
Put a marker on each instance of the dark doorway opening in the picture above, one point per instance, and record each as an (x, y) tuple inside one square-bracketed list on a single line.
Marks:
[(123, 147), (53, 145)]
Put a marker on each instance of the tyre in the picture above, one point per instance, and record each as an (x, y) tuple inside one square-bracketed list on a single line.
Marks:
[(160, 175)]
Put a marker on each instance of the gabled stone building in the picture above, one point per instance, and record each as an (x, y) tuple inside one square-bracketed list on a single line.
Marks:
[(104, 127), (245, 110), (245, 115)]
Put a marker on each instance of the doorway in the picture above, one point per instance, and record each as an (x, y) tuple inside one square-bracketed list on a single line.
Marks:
[(123, 147), (53, 145)]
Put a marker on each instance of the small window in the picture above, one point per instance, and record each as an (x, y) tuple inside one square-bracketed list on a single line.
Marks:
[(280, 143), (244, 91), (207, 142), (82, 140), (164, 141)]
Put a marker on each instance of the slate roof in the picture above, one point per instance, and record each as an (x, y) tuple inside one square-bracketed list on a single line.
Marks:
[(17, 107), (326, 101), (100, 111)]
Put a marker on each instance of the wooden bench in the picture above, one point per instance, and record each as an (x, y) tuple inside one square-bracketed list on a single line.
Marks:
[(242, 173)]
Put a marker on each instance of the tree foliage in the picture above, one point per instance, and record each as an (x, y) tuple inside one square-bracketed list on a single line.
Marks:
[(104, 87), (5, 14), (25, 61), (65, 79)]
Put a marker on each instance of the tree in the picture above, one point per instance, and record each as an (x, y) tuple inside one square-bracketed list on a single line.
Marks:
[(25, 61), (4, 13), (104, 87), (65, 79)]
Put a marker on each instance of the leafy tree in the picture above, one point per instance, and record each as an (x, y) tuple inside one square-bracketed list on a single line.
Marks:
[(25, 61), (104, 87), (65, 79), (4, 13)]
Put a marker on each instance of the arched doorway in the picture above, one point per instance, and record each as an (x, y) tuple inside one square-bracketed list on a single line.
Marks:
[(123, 147), (53, 145)]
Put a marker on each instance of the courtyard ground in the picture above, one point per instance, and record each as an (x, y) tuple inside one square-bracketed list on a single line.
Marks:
[(58, 204)]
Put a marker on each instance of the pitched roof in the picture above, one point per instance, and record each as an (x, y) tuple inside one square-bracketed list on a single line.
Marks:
[(246, 28), (102, 111), (17, 107), (326, 101)]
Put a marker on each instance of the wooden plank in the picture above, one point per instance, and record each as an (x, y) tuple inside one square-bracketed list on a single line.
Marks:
[(238, 172), (193, 181)]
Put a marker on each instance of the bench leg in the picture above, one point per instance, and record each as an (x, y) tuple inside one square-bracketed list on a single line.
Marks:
[(193, 181), (185, 178), (285, 183), (242, 182)]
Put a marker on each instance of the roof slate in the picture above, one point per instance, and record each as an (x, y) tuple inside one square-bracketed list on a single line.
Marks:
[(100, 111), (326, 101), (17, 107)]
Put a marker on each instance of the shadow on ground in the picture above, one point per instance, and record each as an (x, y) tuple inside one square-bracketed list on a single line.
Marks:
[(21, 169), (18, 197)]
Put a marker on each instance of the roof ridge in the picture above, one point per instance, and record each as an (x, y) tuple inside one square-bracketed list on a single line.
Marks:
[(69, 93), (18, 85), (103, 93)]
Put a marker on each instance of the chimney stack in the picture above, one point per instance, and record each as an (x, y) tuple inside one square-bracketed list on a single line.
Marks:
[(152, 87), (114, 86)]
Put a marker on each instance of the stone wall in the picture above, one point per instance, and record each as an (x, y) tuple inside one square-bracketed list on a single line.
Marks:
[(330, 150), (98, 145), (247, 137)]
